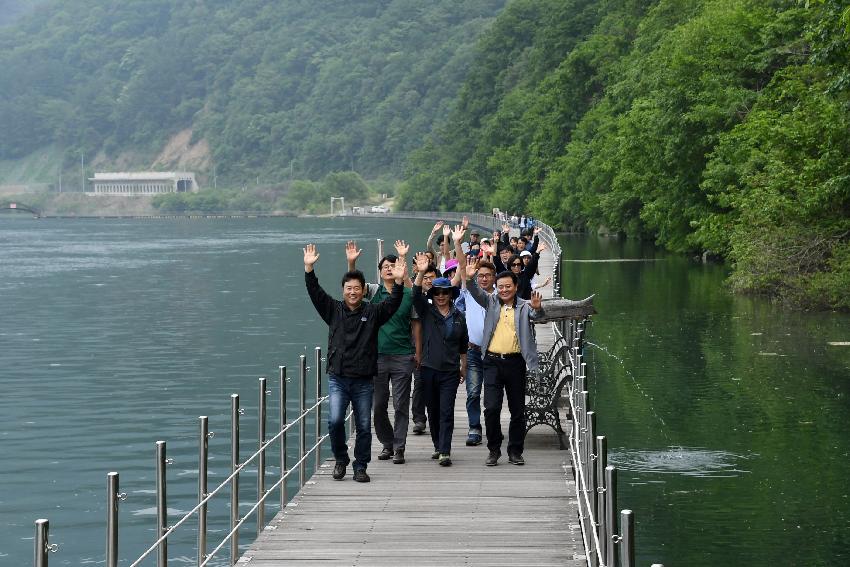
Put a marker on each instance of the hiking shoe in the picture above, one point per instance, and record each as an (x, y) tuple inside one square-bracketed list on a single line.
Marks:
[(398, 458), (339, 470), (492, 459), (419, 427), (386, 454), (435, 455), (473, 439), (516, 459), (361, 476), (445, 460)]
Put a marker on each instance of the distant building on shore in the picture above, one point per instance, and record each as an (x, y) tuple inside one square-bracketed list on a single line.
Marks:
[(143, 183)]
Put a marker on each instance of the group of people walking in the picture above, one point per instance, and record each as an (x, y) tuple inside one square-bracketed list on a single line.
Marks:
[(466, 315)]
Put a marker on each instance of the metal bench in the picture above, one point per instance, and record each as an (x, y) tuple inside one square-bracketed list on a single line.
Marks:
[(543, 390)]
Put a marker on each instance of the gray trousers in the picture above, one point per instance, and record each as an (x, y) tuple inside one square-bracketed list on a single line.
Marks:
[(393, 370)]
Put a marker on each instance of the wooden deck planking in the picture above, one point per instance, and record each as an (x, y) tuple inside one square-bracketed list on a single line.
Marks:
[(422, 514)]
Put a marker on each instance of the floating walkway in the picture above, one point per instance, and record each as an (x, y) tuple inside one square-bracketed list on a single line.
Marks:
[(420, 513)]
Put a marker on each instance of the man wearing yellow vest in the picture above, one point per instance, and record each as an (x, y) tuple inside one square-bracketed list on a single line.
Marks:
[(511, 350)]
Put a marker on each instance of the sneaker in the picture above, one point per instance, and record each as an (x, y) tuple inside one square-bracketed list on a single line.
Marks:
[(445, 460), (386, 454), (516, 459), (435, 455), (339, 470), (492, 459), (419, 427), (361, 476), (473, 439), (398, 458)]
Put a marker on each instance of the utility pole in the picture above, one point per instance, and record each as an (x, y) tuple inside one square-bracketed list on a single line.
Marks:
[(83, 171), (215, 179)]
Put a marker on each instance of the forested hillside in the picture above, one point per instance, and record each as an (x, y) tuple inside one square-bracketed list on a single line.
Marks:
[(272, 87), (719, 126)]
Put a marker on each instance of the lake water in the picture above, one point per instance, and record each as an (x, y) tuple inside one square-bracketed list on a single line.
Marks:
[(725, 415)]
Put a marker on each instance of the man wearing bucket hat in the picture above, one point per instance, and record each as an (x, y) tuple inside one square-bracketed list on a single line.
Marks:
[(444, 344)]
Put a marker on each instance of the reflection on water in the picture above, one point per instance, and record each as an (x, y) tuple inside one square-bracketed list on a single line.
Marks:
[(728, 413), (685, 461)]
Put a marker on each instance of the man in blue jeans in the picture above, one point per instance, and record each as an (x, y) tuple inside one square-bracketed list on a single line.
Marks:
[(352, 354), (486, 278)]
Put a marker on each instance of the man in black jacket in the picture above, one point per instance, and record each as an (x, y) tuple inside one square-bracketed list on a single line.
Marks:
[(352, 357)]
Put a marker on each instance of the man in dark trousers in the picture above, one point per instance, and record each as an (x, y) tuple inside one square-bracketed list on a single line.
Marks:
[(510, 349), (352, 357)]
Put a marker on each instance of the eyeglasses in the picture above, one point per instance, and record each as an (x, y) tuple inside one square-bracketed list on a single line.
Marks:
[(440, 291), (516, 265)]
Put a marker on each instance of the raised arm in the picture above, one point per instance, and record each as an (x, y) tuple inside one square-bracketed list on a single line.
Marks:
[(351, 254), (478, 294), (402, 248), (537, 311), (420, 304), (457, 235), (323, 303), (429, 244)]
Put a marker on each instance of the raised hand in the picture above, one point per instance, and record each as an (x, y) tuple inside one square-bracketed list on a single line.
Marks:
[(401, 248), (506, 227), (537, 229), (458, 232), (536, 300), (447, 230), (399, 270), (471, 268), (465, 221), (351, 251), (541, 247), (437, 226), (421, 261), (310, 256), (487, 248)]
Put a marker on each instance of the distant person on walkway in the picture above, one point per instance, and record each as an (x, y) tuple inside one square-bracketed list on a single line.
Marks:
[(444, 344), (510, 350), (399, 344), (352, 356)]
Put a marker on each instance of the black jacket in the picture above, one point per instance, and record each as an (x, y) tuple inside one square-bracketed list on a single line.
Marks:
[(440, 350), (352, 335)]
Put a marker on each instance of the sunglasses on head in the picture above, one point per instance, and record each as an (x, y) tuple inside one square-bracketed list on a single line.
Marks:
[(440, 291)]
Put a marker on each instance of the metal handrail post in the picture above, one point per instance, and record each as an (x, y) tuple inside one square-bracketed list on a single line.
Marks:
[(302, 429), (319, 407), (112, 519), (161, 508), (380, 252), (627, 544), (611, 514), (591, 467), (282, 418), (203, 474), (601, 464), (234, 484), (261, 459), (42, 529), (581, 434)]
